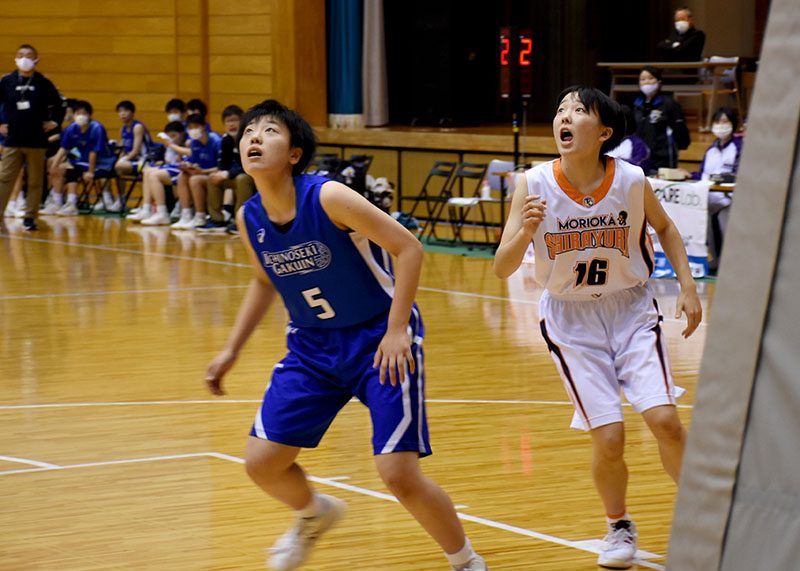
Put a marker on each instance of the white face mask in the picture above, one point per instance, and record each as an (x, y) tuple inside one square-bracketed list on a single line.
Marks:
[(649, 89), (174, 117), (722, 131), (25, 63), (196, 133), (682, 26), (82, 120)]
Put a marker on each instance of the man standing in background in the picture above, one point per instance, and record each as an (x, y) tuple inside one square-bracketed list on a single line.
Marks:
[(32, 106)]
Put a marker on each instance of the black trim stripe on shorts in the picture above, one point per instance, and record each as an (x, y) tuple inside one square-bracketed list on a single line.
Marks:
[(645, 253), (660, 347), (556, 350)]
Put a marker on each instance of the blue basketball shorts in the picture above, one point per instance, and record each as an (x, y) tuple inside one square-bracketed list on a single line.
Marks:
[(324, 369)]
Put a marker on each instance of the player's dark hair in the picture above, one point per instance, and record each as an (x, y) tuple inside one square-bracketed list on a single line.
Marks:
[(609, 111), (196, 119), (232, 110), (630, 120), (729, 112), (302, 135), (654, 71), (125, 104), (175, 127), (29, 47), (85, 105), (175, 103), (197, 105)]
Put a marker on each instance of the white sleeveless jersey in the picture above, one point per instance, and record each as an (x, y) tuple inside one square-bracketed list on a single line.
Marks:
[(589, 245)]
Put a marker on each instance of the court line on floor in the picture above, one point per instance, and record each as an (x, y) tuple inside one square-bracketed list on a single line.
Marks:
[(256, 401), (119, 292), (239, 265), (28, 461), (335, 482)]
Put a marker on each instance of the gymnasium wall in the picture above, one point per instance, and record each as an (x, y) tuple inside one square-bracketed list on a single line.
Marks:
[(149, 51)]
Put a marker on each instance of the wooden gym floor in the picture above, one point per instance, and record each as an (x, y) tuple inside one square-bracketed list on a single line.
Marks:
[(113, 456)]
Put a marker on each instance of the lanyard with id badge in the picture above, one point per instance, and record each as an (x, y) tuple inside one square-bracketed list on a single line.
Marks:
[(23, 104)]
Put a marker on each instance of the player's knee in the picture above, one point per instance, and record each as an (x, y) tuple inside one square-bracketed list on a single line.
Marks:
[(668, 428), (261, 467), (401, 482), (610, 445)]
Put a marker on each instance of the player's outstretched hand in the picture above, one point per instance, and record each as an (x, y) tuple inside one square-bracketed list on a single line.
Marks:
[(689, 303), (393, 353), (533, 213), (216, 370)]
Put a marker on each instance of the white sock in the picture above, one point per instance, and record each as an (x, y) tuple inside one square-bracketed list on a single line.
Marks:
[(160, 209), (108, 198), (312, 509), (147, 209), (462, 556), (72, 198), (58, 198)]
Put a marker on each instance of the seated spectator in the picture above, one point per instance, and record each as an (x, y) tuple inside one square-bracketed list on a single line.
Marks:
[(85, 144), (197, 107), (204, 147), (135, 140), (722, 157), (659, 122), (55, 170), (228, 176), (685, 42), (160, 174), (632, 148), (175, 110)]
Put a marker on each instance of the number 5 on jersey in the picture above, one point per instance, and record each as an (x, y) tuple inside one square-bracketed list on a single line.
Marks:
[(313, 301)]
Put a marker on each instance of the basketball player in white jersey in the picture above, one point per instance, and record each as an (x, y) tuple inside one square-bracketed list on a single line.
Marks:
[(587, 215)]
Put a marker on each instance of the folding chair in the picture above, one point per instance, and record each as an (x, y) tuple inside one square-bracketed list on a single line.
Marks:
[(126, 184), (85, 202), (434, 193), (459, 207)]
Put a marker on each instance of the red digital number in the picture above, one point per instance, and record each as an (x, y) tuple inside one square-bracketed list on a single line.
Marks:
[(504, 49), (526, 46)]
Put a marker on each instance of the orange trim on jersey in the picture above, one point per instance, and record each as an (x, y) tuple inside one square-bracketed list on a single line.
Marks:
[(575, 194)]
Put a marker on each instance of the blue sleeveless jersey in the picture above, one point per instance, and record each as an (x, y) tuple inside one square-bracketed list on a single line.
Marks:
[(327, 277), (127, 137)]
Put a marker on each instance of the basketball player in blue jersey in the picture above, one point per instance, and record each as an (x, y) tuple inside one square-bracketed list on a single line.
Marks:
[(135, 140), (354, 330), (587, 216)]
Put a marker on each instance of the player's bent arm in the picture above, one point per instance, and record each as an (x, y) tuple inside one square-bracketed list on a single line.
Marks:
[(672, 243), (515, 239), (349, 210), (258, 299), (668, 235)]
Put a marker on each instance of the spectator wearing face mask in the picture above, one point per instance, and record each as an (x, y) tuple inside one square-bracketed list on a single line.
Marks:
[(175, 110), (32, 107), (685, 42), (659, 122), (205, 147), (85, 145), (721, 158)]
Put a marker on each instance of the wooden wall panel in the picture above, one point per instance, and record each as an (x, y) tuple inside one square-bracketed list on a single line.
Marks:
[(152, 50)]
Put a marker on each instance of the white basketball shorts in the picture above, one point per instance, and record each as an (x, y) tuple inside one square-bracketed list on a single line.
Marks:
[(604, 344)]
